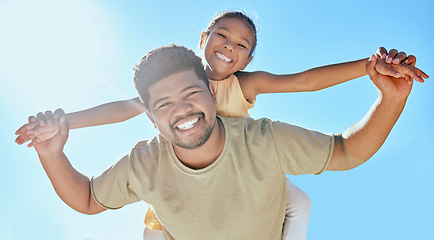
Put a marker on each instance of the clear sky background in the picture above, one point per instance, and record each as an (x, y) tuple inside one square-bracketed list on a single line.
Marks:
[(79, 54)]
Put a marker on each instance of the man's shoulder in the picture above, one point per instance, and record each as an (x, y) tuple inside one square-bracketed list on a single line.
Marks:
[(148, 148), (147, 143), (247, 122)]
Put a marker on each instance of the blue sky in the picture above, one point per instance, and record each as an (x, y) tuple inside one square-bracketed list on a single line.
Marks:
[(79, 54)]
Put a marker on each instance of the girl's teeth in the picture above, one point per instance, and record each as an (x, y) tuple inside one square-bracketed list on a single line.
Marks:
[(223, 57), (187, 125)]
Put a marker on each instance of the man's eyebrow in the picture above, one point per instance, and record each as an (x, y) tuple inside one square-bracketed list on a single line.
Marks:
[(159, 100), (245, 39), (190, 87)]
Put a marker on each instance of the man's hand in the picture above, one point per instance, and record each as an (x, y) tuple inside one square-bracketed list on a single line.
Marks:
[(393, 87), (36, 130), (395, 57), (398, 64), (52, 141)]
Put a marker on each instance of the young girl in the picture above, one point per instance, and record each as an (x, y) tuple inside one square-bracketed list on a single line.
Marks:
[(228, 44)]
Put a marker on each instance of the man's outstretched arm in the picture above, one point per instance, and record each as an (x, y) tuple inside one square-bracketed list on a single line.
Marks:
[(71, 186), (362, 140)]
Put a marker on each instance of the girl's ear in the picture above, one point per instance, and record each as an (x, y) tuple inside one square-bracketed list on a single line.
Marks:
[(203, 37), (150, 118), (249, 59)]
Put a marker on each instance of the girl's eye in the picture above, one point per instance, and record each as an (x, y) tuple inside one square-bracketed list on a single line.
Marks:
[(221, 35), (241, 45)]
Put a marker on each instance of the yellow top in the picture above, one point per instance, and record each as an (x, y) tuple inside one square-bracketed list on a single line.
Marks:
[(152, 221), (230, 101)]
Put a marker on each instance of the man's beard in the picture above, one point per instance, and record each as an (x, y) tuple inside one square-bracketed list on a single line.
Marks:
[(198, 142)]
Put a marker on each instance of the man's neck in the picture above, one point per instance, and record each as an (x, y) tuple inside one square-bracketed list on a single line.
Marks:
[(206, 154)]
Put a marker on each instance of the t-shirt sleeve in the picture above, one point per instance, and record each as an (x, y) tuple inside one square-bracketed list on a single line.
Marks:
[(301, 151), (112, 189)]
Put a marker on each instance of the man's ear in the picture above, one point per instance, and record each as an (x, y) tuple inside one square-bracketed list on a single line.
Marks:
[(247, 62), (203, 37), (150, 118), (212, 91)]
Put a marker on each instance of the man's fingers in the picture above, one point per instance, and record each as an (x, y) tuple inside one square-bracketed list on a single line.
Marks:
[(58, 113), (399, 58), (387, 69), (32, 119), (64, 127), (381, 52), (34, 142), (391, 56), (370, 67), (49, 117), (40, 118), (410, 60)]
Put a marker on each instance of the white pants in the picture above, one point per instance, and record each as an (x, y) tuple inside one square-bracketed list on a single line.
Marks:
[(298, 207)]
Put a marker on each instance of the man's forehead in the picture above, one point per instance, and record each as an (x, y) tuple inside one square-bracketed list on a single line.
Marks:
[(173, 84)]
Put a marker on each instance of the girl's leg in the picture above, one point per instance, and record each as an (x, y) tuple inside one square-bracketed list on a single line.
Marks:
[(153, 230), (298, 207), (149, 234)]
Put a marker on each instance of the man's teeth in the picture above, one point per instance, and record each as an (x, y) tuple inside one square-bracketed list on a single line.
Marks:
[(223, 57), (188, 124)]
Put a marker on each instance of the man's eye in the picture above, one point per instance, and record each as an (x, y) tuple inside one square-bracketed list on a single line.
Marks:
[(192, 93), (163, 105)]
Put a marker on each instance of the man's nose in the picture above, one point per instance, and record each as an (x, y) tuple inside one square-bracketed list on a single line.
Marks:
[(182, 108)]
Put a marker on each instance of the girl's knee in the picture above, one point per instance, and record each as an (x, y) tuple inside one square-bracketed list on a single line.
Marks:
[(296, 199)]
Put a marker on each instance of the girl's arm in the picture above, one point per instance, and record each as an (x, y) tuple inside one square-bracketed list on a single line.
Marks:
[(112, 112), (37, 130), (314, 79)]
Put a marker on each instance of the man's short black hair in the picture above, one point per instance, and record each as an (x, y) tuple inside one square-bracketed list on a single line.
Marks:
[(164, 62)]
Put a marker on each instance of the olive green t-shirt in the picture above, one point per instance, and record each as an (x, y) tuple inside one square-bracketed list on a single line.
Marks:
[(239, 196)]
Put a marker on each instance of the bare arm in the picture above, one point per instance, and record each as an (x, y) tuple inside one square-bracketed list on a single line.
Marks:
[(106, 113), (362, 140), (103, 114), (318, 78), (71, 186)]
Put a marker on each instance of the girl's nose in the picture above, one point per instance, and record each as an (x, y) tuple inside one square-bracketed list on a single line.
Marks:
[(229, 46)]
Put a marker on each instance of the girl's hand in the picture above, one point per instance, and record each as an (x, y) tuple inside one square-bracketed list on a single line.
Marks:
[(22, 132), (403, 70)]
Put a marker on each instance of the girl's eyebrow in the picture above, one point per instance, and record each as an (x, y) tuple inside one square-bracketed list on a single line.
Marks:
[(245, 39)]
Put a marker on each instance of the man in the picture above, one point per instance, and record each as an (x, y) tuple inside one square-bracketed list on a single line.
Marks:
[(208, 176)]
